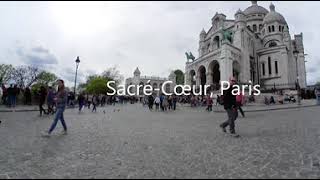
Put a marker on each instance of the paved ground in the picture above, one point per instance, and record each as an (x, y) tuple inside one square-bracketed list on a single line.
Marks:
[(135, 143)]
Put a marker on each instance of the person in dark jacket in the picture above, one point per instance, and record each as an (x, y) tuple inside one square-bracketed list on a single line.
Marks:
[(230, 106), (43, 95), (81, 100), (61, 101), (50, 100), (27, 96), (150, 102)]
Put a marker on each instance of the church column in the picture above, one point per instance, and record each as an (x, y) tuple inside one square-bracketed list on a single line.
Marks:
[(209, 77), (225, 63), (198, 80)]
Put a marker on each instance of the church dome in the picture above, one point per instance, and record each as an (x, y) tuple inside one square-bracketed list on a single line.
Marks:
[(273, 16), (255, 9)]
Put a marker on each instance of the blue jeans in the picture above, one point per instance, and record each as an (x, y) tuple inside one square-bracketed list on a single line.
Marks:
[(80, 106), (59, 115)]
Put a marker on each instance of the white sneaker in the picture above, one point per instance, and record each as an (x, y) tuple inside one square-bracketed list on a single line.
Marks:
[(45, 134), (64, 132)]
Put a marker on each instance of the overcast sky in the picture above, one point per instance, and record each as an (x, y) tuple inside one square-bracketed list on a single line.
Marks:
[(150, 35)]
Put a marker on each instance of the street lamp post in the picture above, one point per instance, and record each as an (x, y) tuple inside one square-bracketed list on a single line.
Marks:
[(75, 79), (296, 53)]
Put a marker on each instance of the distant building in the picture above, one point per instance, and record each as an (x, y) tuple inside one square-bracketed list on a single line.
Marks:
[(155, 82), (256, 46)]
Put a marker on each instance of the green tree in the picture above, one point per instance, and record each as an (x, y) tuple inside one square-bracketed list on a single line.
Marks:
[(179, 76), (46, 78), (98, 85), (6, 71)]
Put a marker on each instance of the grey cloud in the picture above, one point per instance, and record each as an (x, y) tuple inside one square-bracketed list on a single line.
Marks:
[(36, 56)]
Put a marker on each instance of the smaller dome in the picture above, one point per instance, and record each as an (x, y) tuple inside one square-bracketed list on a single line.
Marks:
[(274, 16), (255, 9), (239, 11), (137, 71)]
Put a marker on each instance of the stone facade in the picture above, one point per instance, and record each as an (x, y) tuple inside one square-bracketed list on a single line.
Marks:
[(155, 82), (260, 50)]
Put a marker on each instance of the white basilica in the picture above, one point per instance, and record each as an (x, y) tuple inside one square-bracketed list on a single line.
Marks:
[(155, 82), (256, 46)]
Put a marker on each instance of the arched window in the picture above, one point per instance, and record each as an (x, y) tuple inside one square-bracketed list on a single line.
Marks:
[(272, 44), (263, 69), (269, 28), (254, 27), (279, 28), (269, 65), (276, 66), (248, 27), (272, 28), (260, 27), (282, 28)]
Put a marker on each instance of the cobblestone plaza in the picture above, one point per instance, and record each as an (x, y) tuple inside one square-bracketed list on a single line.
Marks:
[(137, 143)]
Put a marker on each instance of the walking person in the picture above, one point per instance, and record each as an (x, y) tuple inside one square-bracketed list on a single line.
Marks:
[(27, 96), (50, 100), (81, 100), (174, 102), (10, 95), (157, 102), (165, 103), (161, 102), (240, 102), (209, 102), (94, 103), (150, 102), (61, 101), (229, 102), (42, 100), (16, 92), (170, 102)]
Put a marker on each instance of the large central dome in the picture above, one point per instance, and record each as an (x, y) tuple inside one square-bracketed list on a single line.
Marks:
[(255, 9)]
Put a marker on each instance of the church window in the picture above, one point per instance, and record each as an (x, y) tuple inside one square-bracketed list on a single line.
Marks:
[(269, 65), (272, 44), (279, 28), (269, 28), (282, 28), (263, 69), (276, 66), (272, 28), (254, 28), (260, 27)]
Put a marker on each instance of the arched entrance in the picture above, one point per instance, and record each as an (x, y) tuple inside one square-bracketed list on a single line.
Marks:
[(236, 70), (192, 75), (202, 75), (141, 88), (214, 69), (217, 42)]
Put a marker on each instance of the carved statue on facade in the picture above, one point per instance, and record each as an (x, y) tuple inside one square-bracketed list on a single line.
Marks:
[(190, 56), (227, 35)]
